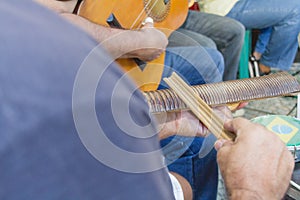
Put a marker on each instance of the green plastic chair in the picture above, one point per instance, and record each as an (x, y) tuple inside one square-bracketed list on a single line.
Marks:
[(245, 53)]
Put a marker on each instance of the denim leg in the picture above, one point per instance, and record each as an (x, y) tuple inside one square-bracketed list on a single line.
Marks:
[(195, 64), (263, 40), (283, 17), (184, 37), (206, 176), (227, 34), (181, 156)]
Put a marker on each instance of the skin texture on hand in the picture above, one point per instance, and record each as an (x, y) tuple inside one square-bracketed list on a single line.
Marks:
[(150, 43), (146, 43), (257, 165), (185, 123)]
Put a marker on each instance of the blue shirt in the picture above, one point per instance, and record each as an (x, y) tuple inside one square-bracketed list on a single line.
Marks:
[(43, 152)]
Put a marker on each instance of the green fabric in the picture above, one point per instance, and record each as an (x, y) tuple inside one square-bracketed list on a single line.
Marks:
[(246, 50)]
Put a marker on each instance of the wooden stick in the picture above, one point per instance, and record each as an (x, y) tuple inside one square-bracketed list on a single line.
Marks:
[(200, 109)]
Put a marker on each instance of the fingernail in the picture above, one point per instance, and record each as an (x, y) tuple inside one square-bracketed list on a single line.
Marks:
[(149, 20), (218, 144)]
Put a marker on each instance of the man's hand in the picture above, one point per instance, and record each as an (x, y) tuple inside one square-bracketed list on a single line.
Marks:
[(185, 123), (257, 165), (150, 43), (146, 44)]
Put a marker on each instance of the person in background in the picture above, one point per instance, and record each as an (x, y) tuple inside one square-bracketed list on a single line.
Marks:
[(213, 31), (281, 19)]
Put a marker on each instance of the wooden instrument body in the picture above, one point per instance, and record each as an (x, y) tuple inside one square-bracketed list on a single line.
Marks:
[(130, 14)]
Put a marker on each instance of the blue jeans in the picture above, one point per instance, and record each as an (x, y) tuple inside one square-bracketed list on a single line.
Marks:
[(197, 65), (201, 173), (263, 40), (283, 17), (213, 31)]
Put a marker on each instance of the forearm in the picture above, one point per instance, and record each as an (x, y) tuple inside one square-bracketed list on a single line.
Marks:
[(117, 42), (59, 6)]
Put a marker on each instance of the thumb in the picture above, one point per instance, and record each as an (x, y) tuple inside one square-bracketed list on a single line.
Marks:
[(219, 143)]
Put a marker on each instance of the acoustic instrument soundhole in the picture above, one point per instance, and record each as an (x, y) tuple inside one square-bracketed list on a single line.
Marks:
[(157, 9)]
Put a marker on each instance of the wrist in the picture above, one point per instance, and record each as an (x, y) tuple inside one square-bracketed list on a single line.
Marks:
[(244, 194)]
